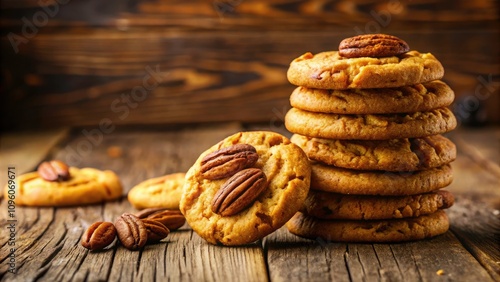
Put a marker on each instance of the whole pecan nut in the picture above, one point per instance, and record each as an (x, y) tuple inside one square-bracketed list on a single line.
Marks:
[(99, 235), (149, 211), (372, 45), (131, 231), (156, 231), (227, 161), (239, 191), (54, 171), (172, 219)]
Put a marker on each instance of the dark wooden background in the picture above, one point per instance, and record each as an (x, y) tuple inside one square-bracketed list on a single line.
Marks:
[(76, 62)]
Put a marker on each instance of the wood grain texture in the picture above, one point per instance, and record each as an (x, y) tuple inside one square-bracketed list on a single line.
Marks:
[(48, 248), (478, 229), (217, 65), (477, 164), (48, 239), (294, 259), (250, 14), (145, 154), (481, 146), (202, 77), (476, 215)]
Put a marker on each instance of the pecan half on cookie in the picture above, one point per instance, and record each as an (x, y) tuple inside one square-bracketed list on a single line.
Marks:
[(54, 171), (239, 191), (372, 45), (227, 161)]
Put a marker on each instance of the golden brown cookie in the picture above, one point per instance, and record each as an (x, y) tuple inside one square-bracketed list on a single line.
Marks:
[(389, 155), (370, 231), (405, 99), (84, 186), (326, 205), (360, 182), (287, 170), (329, 70), (159, 192), (370, 127)]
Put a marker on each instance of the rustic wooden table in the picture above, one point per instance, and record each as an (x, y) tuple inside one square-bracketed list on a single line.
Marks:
[(47, 244)]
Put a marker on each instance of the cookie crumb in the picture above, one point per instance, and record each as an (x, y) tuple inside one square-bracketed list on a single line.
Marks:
[(440, 272), (114, 151)]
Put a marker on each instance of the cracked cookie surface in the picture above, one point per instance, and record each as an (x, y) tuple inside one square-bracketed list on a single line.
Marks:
[(406, 99), (361, 182), (366, 231), (288, 171), (389, 155), (370, 127), (340, 206), (84, 186), (159, 192), (329, 70)]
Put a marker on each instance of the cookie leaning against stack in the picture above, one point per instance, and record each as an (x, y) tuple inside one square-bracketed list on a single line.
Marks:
[(369, 117), (245, 187)]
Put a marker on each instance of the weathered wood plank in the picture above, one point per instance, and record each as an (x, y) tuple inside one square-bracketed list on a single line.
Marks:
[(29, 241), (473, 253), (482, 146), (198, 76), (249, 14), (476, 169), (72, 62), (475, 219), (193, 259), (291, 258), (294, 259), (48, 247), (478, 228), (48, 238)]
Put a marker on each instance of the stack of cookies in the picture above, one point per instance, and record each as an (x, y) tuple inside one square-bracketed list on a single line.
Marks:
[(369, 117)]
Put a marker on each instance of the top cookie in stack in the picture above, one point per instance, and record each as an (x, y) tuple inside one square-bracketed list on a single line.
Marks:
[(347, 94), (369, 117)]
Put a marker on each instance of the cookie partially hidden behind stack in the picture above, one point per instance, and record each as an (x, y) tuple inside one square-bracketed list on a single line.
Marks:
[(370, 118)]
